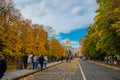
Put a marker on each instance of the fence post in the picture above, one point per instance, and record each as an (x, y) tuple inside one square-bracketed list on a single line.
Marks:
[(20, 63)]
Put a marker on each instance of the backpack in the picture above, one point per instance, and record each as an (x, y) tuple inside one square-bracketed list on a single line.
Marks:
[(41, 60)]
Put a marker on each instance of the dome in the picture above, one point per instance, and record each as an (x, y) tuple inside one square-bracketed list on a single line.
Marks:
[(67, 41)]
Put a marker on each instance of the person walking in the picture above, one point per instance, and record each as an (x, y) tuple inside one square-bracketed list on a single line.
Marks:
[(45, 61), (115, 60), (41, 61), (25, 61), (30, 60), (3, 66), (35, 62), (67, 59), (107, 60), (62, 58)]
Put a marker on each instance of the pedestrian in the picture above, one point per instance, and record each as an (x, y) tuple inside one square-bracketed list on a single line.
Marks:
[(62, 58), (106, 60), (3, 66), (35, 62), (109, 60), (70, 58), (115, 60), (30, 60), (67, 59), (45, 61), (25, 61), (41, 61), (112, 59)]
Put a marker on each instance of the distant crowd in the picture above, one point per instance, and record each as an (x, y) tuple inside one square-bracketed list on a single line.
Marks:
[(35, 60), (27, 60), (42, 60), (111, 60)]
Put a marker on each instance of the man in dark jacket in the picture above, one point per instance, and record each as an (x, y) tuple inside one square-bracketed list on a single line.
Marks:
[(25, 60), (3, 67), (41, 61)]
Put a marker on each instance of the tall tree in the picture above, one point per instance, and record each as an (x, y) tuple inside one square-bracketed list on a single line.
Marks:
[(103, 36)]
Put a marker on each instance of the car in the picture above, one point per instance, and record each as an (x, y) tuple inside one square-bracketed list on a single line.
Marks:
[(84, 58)]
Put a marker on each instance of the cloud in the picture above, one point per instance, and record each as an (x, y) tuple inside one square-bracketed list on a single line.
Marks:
[(26, 1), (73, 43), (76, 10), (62, 15), (60, 5), (91, 2)]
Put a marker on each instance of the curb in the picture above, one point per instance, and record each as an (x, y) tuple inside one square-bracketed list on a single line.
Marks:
[(108, 66), (27, 74)]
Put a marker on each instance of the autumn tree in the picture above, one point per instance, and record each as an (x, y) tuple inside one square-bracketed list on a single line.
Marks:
[(103, 36), (18, 36), (56, 48)]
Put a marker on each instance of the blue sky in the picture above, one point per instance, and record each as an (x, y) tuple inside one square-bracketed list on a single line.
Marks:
[(69, 18), (74, 36)]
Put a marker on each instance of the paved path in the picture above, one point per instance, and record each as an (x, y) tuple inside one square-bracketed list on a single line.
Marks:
[(76, 70), (65, 71), (96, 72), (18, 73), (114, 67)]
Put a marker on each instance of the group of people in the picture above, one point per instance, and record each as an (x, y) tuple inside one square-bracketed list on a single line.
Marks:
[(110, 60), (68, 60), (35, 60)]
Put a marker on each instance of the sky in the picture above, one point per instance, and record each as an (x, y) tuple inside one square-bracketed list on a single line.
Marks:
[(69, 18)]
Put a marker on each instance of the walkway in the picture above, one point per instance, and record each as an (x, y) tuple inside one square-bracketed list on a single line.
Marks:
[(95, 71), (76, 70), (65, 71), (114, 67), (20, 73)]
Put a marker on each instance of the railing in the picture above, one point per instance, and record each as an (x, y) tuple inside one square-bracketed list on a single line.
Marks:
[(11, 64)]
